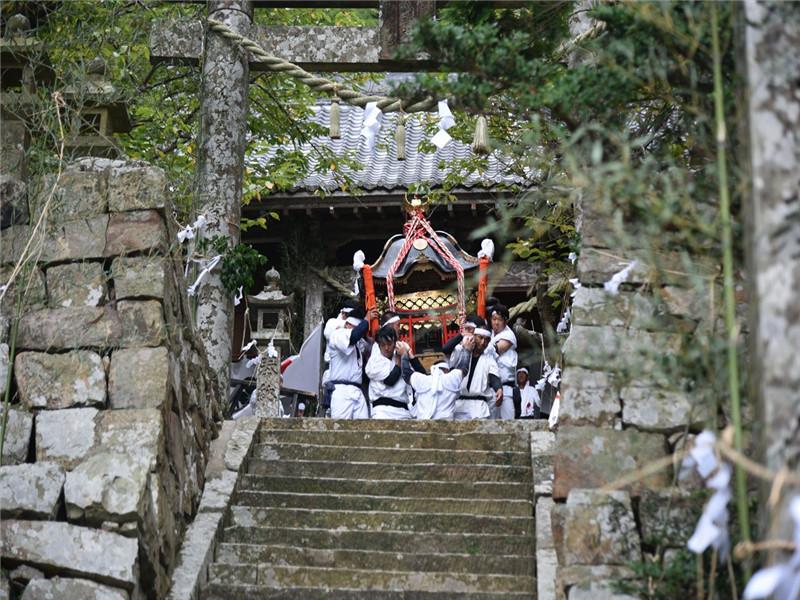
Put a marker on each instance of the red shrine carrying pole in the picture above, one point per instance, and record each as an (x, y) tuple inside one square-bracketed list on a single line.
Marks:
[(483, 284), (369, 298)]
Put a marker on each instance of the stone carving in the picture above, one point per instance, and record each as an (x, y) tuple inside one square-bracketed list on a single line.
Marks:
[(268, 384)]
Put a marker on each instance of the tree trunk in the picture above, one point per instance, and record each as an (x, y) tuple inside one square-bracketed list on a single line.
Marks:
[(223, 134), (773, 227)]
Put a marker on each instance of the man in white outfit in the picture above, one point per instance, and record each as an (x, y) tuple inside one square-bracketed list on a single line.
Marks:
[(346, 350), (480, 386), (332, 325), (504, 347), (387, 390), (438, 392), (529, 397)]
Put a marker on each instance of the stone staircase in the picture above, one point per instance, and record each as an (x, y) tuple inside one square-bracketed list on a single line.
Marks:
[(381, 509)]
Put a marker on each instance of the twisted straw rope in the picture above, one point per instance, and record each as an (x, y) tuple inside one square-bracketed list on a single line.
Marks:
[(387, 104), (319, 84)]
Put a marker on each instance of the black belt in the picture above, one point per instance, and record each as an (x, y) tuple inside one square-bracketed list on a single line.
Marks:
[(389, 402), (471, 397), (343, 382)]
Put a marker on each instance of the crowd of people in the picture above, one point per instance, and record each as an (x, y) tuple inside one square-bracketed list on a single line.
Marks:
[(381, 378)]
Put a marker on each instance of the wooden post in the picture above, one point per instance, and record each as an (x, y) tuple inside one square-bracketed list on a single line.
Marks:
[(220, 162), (483, 284)]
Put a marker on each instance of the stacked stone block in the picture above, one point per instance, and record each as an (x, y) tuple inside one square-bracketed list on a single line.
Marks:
[(113, 401), (620, 411)]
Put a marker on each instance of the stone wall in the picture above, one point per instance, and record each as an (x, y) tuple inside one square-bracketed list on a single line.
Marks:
[(623, 406), (113, 404)]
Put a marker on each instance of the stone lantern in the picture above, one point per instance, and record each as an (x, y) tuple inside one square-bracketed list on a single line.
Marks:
[(98, 114), (270, 314), (24, 66)]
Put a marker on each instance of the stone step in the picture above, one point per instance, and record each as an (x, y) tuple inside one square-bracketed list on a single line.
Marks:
[(477, 425), (385, 540), (429, 471), (280, 577), (388, 487), (292, 451), (226, 591), (374, 559), (392, 503), (250, 516), (513, 442)]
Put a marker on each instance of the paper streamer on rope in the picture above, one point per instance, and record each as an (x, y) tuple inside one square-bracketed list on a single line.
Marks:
[(272, 352), (372, 124), (187, 233), (247, 347), (190, 231), (712, 528), (208, 268), (441, 139), (552, 420), (612, 285), (542, 382), (237, 298), (781, 581), (256, 360), (446, 121), (576, 285), (563, 324), (554, 378)]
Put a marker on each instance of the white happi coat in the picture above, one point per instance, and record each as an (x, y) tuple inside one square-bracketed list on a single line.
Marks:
[(331, 325), (507, 364), (437, 393), (478, 386), (530, 400), (378, 368), (347, 401)]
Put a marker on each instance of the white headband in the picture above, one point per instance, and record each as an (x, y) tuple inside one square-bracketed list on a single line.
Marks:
[(347, 310), (522, 370), (353, 321), (483, 332), (391, 320)]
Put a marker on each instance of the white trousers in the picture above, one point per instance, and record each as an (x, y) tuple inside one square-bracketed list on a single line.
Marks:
[(507, 407), (392, 413), (435, 407), (471, 409), (347, 402)]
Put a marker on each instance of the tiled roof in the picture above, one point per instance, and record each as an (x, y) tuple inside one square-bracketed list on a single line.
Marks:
[(380, 168)]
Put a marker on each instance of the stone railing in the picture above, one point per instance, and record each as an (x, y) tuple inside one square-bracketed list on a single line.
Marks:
[(113, 407)]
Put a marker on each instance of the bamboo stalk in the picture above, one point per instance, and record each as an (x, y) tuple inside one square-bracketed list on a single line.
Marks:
[(727, 270)]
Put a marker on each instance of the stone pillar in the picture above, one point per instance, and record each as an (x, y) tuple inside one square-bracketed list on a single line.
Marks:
[(268, 386), (773, 245), (220, 166), (314, 301)]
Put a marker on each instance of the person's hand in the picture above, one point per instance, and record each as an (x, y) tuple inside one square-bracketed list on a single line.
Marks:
[(401, 348), (372, 313), (468, 343), (498, 397)]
